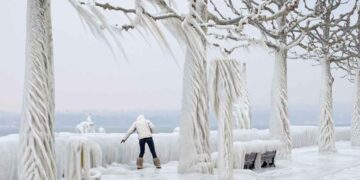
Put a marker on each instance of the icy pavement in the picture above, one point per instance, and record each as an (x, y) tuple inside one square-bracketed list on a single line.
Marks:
[(167, 147), (306, 163)]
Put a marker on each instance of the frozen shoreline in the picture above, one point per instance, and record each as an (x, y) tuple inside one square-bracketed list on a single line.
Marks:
[(166, 144)]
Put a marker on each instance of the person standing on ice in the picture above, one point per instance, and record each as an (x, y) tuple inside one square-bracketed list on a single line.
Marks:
[(144, 129)]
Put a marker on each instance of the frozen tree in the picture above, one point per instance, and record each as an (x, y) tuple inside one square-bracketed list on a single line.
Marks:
[(276, 21), (225, 90), (352, 69), (193, 28), (195, 149), (276, 30), (326, 43), (37, 156), (241, 109), (194, 125)]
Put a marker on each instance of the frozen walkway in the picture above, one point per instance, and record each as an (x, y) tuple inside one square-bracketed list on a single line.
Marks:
[(307, 163)]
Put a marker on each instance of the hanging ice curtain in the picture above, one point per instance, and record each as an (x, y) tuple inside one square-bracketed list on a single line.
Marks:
[(225, 89), (241, 108)]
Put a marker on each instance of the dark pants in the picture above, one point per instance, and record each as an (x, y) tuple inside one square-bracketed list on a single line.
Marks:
[(150, 143)]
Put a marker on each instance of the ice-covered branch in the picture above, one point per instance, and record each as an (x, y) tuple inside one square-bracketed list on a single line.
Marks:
[(296, 41), (333, 34)]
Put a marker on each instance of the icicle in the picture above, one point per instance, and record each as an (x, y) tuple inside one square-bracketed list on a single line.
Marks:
[(241, 109), (226, 88), (81, 155), (148, 23), (97, 24)]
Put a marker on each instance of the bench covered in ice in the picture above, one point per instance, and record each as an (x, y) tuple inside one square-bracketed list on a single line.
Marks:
[(254, 151), (260, 147)]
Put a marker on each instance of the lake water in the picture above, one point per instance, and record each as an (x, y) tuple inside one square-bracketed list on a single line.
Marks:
[(166, 121)]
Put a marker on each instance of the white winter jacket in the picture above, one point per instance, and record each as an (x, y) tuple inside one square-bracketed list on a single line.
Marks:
[(142, 126)]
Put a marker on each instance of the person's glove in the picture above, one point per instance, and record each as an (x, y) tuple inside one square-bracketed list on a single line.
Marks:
[(122, 141)]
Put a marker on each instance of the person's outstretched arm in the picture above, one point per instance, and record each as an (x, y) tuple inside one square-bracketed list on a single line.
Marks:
[(129, 132), (151, 126)]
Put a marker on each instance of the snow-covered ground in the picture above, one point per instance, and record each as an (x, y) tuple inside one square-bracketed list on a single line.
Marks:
[(306, 163)]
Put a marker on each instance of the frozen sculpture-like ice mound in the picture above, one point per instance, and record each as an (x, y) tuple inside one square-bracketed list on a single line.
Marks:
[(88, 126)]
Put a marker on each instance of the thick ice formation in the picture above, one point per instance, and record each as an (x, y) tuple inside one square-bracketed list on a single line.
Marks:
[(195, 129), (87, 126), (167, 146), (241, 108), (9, 146), (37, 156), (81, 155), (225, 89), (194, 133)]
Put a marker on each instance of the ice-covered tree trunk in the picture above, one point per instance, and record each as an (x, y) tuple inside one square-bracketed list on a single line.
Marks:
[(194, 126), (225, 88), (326, 124), (37, 156), (279, 121), (241, 109), (355, 123), (279, 124)]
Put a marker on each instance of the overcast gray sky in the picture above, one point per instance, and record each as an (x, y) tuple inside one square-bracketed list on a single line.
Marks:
[(88, 78)]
